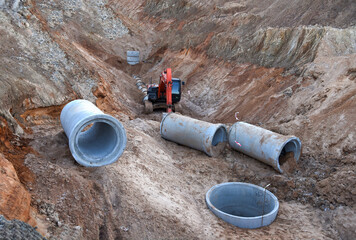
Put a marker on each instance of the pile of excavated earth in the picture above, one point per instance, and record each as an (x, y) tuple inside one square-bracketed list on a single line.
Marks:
[(286, 66)]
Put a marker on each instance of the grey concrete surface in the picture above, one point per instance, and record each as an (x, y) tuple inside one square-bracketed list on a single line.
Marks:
[(133, 57), (95, 139), (262, 144), (206, 137)]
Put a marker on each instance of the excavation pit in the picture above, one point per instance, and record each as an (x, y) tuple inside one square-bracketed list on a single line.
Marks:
[(242, 204)]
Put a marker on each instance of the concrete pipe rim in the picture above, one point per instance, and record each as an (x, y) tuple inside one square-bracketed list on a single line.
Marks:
[(116, 150), (297, 152), (218, 212), (232, 126), (211, 146), (164, 116), (219, 128)]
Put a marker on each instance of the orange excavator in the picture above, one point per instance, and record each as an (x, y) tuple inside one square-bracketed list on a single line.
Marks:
[(165, 95)]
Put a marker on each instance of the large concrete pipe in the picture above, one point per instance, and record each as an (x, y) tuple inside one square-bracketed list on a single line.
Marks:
[(95, 139), (207, 137), (262, 144), (242, 204)]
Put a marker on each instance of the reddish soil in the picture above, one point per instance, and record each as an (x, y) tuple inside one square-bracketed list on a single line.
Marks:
[(15, 150), (288, 163), (14, 198)]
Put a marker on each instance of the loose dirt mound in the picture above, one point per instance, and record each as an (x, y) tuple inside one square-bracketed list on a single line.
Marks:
[(288, 163)]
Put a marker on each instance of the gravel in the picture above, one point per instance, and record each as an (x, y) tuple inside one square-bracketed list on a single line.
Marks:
[(16, 230)]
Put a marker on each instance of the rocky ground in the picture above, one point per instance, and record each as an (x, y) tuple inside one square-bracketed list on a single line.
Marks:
[(287, 66)]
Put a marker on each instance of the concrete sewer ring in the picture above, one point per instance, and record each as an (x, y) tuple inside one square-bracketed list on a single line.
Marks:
[(243, 205)]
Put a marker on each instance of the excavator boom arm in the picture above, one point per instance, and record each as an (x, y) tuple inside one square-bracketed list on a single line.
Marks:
[(165, 87)]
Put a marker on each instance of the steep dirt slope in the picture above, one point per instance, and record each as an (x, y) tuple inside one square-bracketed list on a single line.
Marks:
[(269, 33), (14, 198), (289, 67), (46, 50)]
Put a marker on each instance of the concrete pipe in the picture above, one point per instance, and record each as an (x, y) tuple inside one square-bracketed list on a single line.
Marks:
[(263, 145), (140, 85), (95, 139), (243, 204), (133, 57), (207, 137)]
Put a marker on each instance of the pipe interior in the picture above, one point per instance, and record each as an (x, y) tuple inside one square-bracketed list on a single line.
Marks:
[(289, 147), (219, 136), (242, 200), (98, 141)]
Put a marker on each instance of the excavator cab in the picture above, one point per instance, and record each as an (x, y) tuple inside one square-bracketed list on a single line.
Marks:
[(176, 90), (152, 92), (165, 95)]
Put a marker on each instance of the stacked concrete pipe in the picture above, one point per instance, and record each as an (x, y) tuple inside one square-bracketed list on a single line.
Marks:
[(206, 137), (92, 146), (262, 144), (133, 57)]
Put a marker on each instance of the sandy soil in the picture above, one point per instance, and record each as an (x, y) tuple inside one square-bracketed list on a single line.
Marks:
[(158, 184)]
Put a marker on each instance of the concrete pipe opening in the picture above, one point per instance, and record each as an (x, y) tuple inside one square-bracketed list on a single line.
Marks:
[(95, 139), (242, 204), (289, 155), (96, 142), (220, 136)]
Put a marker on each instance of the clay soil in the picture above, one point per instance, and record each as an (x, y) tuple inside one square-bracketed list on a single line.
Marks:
[(288, 163)]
